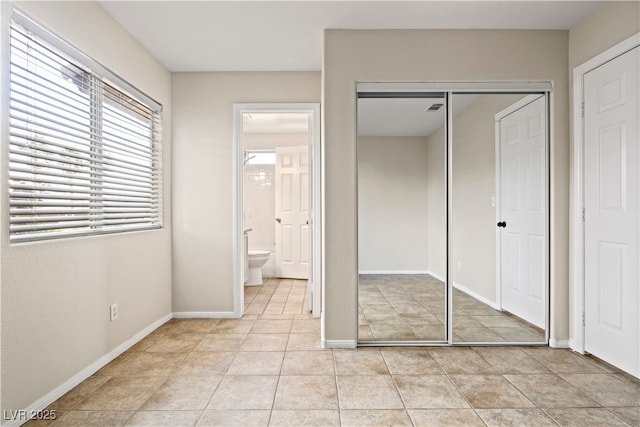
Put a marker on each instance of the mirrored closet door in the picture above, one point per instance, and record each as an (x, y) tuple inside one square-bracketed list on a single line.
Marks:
[(453, 217), (498, 231), (401, 216)]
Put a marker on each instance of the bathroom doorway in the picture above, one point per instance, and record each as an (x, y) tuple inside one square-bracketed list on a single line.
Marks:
[(276, 199)]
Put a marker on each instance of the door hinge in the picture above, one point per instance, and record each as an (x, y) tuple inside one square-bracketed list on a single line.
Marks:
[(583, 319), (583, 215), (582, 110)]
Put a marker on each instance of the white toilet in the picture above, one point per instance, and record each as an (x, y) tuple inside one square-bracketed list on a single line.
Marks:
[(256, 260)]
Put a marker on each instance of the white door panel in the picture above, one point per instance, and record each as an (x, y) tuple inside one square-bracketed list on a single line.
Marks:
[(612, 196), (536, 267), (536, 181), (522, 161), (292, 212), (304, 244), (304, 192)]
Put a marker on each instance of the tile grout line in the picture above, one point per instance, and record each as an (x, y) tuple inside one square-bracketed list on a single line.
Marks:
[(502, 375), (204, 410), (552, 372), (224, 374), (506, 379), (395, 384), (335, 381), (457, 388)]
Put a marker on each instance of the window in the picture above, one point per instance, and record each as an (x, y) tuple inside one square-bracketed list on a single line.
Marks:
[(84, 146), (263, 157)]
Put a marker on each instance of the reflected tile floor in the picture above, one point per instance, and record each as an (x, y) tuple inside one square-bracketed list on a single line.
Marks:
[(411, 307), (268, 369)]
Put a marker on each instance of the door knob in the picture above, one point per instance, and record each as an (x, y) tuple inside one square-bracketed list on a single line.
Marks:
[(279, 220), (502, 224)]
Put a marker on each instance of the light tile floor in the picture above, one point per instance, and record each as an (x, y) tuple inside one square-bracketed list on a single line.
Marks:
[(411, 307), (267, 369)]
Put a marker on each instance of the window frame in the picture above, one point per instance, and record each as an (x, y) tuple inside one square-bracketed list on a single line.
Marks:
[(108, 94)]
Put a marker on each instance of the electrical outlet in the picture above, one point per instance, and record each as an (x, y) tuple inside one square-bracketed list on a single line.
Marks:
[(459, 265), (113, 309)]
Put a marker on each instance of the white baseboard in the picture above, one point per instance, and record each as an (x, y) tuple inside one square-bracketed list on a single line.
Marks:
[(393, 272), (399, 272), (558, 343), (339, 344), (436, 276), (574, 346), (42, 403), (480, 298), (204, 314)]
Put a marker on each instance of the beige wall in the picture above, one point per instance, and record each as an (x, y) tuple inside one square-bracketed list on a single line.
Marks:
[(429, 55), (607, 26), (202, 176), (56, 294), (474, 184), (392, 204)]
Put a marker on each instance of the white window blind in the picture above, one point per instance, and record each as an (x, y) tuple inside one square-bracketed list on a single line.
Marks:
[(84, 150)]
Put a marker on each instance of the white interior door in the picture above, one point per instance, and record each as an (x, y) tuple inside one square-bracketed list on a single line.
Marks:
[(611, 195), (292, 212), (522, 214)]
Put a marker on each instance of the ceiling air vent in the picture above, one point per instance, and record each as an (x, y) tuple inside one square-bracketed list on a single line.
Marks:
[(434, 107)]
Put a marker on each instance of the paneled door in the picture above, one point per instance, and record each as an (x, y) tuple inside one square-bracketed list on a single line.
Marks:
[(292, 212), (522, 214), (611, 194)]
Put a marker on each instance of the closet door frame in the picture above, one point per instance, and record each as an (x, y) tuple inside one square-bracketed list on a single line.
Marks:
[(449, 89)]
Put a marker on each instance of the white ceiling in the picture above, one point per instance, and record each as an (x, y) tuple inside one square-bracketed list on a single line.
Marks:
[(405, 116), (281, 35), (399, 116)]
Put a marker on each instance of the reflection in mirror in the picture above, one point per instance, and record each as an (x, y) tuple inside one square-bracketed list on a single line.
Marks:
[(499, 218), (401, 209)]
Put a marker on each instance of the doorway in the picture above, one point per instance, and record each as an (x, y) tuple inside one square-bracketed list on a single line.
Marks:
[(607, 228), (267, 139)]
